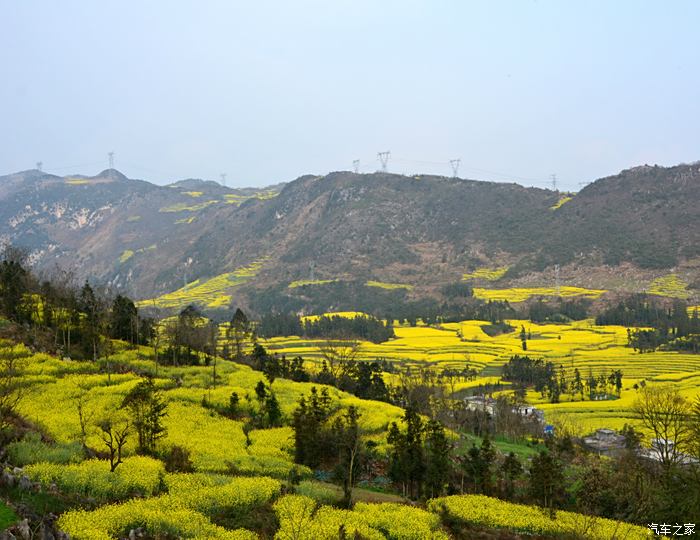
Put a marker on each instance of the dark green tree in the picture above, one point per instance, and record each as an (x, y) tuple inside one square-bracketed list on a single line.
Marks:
[(91, 321), (123, 320), (511, 470), (437, 451), (147, 410), (309, 418), (348, 442), (547, 481), (407, 459), (14, 283)]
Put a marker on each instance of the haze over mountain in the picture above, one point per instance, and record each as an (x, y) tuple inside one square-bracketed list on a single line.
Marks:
[(422, 232)]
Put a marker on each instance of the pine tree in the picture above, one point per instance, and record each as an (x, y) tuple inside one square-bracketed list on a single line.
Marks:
[(547, 481), (147, 409), (91, 322), (123, 320), (407, 460), (348, 442), (438, 459), (511, 469), (273, 413), (13, 284)]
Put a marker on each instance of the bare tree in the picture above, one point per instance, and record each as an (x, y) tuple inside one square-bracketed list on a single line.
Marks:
[(12, 383), (85, 414), (114, 438), (338, 353), (665, 412)]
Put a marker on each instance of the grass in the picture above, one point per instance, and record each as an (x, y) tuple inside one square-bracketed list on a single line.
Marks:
[(389, 286), (489, 274), (521, 449), (131, 219), (521, 294), (671, 286), (7, 516)]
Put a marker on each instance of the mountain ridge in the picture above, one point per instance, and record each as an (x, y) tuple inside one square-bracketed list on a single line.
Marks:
[(423, 231)]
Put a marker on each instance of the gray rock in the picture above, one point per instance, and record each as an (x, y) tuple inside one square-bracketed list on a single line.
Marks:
[(23, 530), (7, 479), (7, 535), (25, 484)]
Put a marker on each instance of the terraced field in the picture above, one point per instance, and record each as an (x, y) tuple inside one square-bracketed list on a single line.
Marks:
[(238, 470), (389, 286), (561, 202), (489, 274), (580, 345), (304, 282), (520, 294), (671, 286), (211, 293)]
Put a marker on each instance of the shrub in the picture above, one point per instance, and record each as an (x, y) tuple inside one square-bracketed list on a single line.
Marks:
[(178, 460)]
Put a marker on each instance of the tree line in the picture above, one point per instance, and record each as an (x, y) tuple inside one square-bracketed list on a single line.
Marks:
[(366, 328), (551, 381)]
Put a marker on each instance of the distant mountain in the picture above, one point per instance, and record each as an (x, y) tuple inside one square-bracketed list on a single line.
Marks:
[(416, 233)]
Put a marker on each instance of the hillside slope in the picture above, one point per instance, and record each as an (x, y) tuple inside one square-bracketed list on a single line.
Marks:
[(420, 232)]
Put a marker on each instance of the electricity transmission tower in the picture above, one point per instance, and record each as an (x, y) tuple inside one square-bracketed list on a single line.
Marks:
[(39, 165), (110, 155), (356, 165), (223, 179), (554, 181), (384, 159), (454, 163)]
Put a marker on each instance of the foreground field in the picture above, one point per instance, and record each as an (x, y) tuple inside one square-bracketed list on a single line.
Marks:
[(240, 477), (580, 345)]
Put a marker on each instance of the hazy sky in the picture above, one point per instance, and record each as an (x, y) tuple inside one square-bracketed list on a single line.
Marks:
[(267, 91)]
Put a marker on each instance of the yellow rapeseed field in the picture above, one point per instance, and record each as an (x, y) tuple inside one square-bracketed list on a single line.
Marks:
[(670, 285), (489, 274), (212, 293), (520, 294)]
